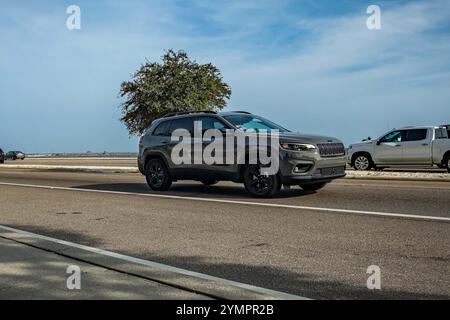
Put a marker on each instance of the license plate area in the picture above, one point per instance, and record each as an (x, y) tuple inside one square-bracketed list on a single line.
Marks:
[(332, 171)]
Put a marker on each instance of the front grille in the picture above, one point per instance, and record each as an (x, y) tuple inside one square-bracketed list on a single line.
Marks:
[(328, 150), (334, 171)]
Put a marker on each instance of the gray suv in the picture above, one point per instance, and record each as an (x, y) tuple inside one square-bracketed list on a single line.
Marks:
[(304, 160)]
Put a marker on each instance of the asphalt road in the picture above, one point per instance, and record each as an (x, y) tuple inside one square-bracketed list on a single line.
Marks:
[(132, 162), (86, 161), (297, 248)]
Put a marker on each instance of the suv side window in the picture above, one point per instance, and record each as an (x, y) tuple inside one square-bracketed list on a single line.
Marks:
[(210, 123), (394, 136), (162, 129), (182, 123), (416, 134)]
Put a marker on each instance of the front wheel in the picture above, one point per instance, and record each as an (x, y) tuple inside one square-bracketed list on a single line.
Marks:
[(259, 184), (157, 175), (362, 163), (313, 186)]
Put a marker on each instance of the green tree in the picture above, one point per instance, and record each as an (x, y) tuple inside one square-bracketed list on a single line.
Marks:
[(177, 84)]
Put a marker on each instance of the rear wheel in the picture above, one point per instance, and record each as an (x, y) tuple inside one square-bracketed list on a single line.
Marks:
[(157, 175), (313, 186), (258, 184), (208, 182), (447, 163), (362, 162)]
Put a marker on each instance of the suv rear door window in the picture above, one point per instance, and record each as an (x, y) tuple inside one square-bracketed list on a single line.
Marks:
[(416, 134), (162, 129), (182, 123), (210, 123)]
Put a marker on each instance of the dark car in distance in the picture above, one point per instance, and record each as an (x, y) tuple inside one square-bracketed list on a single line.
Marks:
[(2, 156), (15, 155)]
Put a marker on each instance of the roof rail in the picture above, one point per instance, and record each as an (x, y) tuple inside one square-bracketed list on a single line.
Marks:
[(187, 112), (246, 112)]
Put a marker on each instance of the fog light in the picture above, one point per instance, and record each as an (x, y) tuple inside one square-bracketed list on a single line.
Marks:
[(301, 168)]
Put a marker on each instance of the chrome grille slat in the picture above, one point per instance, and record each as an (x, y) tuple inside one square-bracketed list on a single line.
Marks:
[(328, 150)]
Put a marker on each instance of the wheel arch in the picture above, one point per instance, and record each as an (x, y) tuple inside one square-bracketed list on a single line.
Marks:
[(445, 158), (155, 155), (362, 153)]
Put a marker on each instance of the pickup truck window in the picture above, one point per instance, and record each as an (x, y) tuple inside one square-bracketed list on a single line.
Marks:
[(440, 133), (416, 134), (394, 136)]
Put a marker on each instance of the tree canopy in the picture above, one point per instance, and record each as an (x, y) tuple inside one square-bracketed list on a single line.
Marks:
[(177, 84)]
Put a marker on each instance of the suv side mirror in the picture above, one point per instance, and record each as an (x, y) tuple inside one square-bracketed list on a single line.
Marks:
[(378, 142)]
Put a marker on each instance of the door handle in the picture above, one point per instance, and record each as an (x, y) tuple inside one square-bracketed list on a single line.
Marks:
[(398, 145), (424, 144)]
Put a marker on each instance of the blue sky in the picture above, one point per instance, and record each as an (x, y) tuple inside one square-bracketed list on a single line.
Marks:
[(312, 66)]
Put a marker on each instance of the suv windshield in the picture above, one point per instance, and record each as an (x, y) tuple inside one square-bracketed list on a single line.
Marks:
[(250, 122)]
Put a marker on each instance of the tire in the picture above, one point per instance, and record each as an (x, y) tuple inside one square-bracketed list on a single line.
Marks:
[(259, 185), (2, 161), (157, 175), (362, 162), (313, 186), (447, 163), (208, 182)]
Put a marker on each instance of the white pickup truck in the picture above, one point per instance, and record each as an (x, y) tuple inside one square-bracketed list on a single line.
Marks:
[(403, 147)]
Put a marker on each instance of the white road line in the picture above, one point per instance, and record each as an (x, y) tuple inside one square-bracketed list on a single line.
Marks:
[(164, 267), (383, 186), (248, 203)]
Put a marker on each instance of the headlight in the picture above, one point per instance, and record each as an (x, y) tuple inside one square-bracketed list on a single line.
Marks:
[(298, 146)]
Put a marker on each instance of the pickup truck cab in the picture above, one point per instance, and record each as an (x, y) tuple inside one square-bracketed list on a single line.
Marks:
[(405, 146)]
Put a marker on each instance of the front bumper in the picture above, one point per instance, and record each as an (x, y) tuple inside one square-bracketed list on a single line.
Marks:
[(317, 169)]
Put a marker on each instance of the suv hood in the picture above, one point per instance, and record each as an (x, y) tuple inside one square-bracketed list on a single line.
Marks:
[(295, 137)]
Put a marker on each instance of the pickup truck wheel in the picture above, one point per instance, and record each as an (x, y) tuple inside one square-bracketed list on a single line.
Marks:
[(258, 184), (157, 175), (362, 163), (448, 164)]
